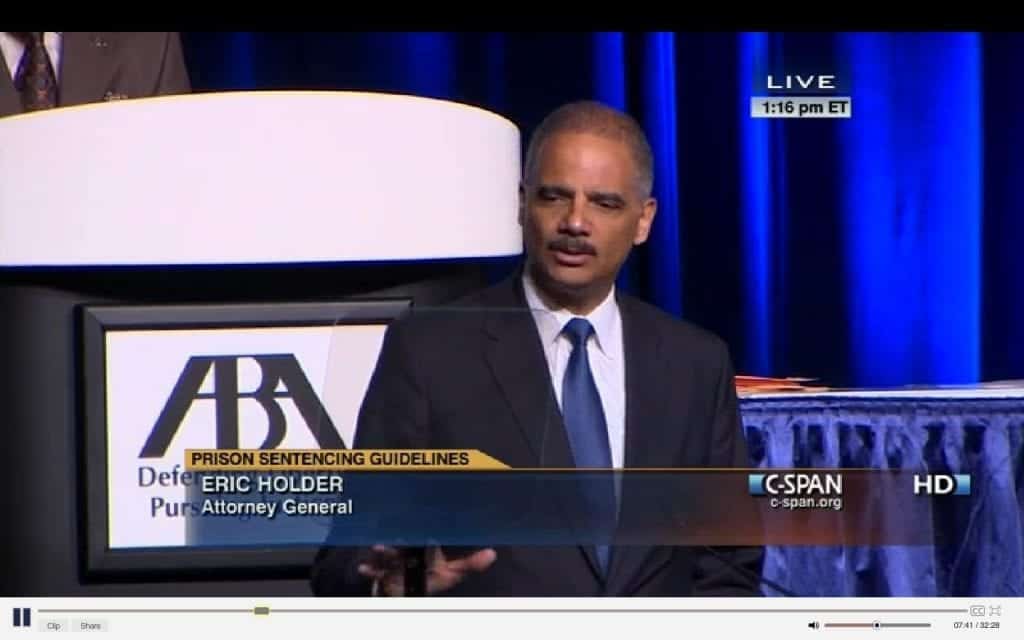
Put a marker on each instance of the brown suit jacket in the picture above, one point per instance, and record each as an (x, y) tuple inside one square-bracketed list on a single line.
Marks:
[(100, 66)]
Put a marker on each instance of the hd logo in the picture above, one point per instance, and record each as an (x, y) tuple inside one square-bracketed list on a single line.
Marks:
[(281, 378), (941, 484)]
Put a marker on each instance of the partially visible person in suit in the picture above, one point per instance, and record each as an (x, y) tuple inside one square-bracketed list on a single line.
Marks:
[(44, 70), (582, 375)]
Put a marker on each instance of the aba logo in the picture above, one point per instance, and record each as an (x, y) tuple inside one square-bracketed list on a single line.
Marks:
[(282, 377)]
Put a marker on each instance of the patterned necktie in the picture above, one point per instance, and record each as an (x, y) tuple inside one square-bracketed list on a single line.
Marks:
[(588, 432), (35, 79)]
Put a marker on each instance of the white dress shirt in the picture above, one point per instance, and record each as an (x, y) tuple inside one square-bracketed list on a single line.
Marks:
[(13, 49), (604, 350)]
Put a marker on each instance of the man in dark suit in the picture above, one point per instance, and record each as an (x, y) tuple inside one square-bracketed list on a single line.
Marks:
[(43, 70), (556, 368)]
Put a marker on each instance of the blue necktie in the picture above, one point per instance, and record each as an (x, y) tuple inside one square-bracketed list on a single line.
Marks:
[(588, 432)]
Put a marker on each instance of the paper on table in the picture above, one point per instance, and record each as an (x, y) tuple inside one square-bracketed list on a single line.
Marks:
[(764, 384)]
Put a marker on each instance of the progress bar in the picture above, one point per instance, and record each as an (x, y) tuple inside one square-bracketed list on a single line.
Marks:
[(262, 610), (878, 625)]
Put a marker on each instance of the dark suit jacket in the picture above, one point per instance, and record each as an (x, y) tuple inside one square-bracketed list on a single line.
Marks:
[(474, 376), (101, 66)]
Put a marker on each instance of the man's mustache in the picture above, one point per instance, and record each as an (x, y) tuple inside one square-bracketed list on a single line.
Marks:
[(571, 244)]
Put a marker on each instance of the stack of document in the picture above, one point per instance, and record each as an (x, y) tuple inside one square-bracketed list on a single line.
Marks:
[(760, 384)]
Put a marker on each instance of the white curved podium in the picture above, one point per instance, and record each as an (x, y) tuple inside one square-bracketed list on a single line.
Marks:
[(236, 227), (258, 177)]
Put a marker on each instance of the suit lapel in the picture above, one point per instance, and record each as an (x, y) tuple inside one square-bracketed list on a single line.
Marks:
[(516, 358), (88, 66), (647, 391), (10, 101)]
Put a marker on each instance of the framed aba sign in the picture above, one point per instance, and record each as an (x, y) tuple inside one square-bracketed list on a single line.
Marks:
[(156, 380)]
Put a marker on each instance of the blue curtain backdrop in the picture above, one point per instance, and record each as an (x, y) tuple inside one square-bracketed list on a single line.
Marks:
[(880, 250)]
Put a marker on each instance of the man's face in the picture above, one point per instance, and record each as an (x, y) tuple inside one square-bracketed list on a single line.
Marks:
[(582, 211)]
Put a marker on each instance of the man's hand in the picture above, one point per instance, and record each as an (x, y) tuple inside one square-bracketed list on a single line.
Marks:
[(385, 567)]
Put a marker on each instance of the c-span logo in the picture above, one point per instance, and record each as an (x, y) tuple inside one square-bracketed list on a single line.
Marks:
[(281, 377), (795, 484), (798, 490)]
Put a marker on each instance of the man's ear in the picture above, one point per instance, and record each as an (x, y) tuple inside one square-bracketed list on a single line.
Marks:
[(643, 226)]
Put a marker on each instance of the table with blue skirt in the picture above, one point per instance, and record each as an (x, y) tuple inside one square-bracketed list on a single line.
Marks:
[(979, 549)]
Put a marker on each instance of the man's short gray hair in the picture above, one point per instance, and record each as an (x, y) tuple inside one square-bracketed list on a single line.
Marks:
[(598, 119)]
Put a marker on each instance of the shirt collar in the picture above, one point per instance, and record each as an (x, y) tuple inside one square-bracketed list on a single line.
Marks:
[(604, 318)]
